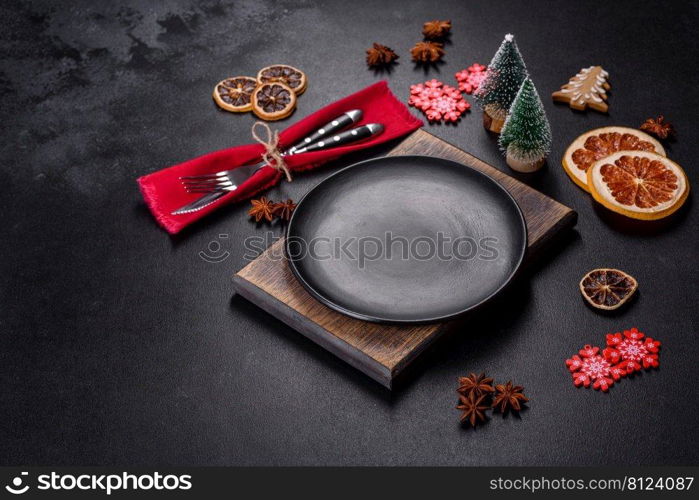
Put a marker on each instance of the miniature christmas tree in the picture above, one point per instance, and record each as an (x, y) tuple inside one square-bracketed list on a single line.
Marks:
[(526, 135), (502, 81)]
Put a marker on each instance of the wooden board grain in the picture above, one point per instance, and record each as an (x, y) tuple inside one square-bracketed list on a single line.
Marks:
[(384, 351)]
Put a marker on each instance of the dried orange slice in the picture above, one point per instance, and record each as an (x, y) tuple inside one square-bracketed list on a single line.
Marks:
[(235, 94), (599, 143), (607, 288), (638, 184), (273, 101), (283, 73)]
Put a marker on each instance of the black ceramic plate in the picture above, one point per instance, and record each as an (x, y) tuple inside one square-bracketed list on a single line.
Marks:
[(406, 239)]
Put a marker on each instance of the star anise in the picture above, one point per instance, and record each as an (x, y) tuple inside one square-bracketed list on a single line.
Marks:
[(509, 397), (473, 408), (658, 127), (262, 209), (284, 209), (427, 52), (477, 384), (380, 55), (434, 30)]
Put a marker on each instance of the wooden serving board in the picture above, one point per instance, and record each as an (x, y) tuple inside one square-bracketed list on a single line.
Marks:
[(384, 351)]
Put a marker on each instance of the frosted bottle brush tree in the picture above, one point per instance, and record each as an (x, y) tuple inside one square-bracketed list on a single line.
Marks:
[(504, 76), (526, 135)]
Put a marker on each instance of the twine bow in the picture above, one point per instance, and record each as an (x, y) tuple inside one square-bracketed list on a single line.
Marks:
[(272, 156)]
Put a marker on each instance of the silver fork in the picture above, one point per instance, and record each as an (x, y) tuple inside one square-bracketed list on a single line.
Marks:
[(220, 180), (213, 193), (224, 181), (230, 179)]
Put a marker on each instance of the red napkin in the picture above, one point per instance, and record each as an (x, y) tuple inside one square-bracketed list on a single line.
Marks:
[(163, 191)]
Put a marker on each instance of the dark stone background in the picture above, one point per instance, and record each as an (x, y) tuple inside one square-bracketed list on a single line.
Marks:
[(119, 345)]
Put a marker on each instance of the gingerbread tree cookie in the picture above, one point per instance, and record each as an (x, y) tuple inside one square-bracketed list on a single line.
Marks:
[(586, 89)]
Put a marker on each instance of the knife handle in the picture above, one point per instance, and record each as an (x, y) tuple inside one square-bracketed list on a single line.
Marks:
[(342, 121), (346, 137)]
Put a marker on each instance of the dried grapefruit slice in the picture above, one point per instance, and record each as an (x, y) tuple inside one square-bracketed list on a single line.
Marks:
[(273, 101), (283, 73), (235, 94), (638, 184), (599, 143), (607, 288)]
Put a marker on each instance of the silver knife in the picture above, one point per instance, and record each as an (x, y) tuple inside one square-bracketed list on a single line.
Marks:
[(347, 137), (199, 203)]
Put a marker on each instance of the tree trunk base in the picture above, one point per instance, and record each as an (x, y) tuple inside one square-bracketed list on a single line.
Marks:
[(523, 166), (493, 120)]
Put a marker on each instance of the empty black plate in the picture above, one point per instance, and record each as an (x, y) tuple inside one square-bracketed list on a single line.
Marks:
[(406, 239)]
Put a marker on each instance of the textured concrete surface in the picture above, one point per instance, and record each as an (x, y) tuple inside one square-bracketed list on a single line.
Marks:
[(120, 345)]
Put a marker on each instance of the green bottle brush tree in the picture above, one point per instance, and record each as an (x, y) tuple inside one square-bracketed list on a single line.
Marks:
[(526, 134), (504, 76)]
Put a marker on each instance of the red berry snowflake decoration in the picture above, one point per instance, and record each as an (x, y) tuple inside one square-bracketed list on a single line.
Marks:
[(590, 367), (470, 78), (624, 355), (633, 352), (438, 101)]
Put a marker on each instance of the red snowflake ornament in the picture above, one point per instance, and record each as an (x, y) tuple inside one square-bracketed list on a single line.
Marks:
[(470, 78), (592, 368), (438, 101), (632, 351)]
